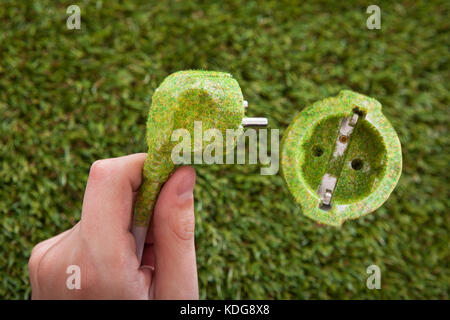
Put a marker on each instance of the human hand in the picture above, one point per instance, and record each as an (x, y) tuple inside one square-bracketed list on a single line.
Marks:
[(103, 248)]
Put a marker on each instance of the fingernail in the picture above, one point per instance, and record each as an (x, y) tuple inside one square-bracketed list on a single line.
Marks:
[(147, 267), (185, 189)]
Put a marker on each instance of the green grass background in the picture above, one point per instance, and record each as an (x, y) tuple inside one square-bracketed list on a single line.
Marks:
[(69, 97)]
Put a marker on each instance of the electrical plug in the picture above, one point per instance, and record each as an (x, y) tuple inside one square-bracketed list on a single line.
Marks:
[(184, 97)]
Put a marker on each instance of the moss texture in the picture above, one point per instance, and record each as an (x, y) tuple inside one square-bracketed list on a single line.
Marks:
[(373, 143), (365, 147), (368, 154)]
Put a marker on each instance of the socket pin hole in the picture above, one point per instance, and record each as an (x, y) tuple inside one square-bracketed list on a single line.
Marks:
[(357, 164), (317, 151), (343, 139), (359, 112)]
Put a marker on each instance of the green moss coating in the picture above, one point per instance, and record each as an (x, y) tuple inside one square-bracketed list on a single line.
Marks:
[(367, 151), (214, 98), (367, 172), (365, 146)]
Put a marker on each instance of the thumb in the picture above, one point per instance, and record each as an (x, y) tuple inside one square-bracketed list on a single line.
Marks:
[(175, 273)]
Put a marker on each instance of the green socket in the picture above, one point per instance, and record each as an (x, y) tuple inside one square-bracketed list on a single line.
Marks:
[(341, 158)]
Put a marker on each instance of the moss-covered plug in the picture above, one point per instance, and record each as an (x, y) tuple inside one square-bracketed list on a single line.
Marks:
[(214, 98)]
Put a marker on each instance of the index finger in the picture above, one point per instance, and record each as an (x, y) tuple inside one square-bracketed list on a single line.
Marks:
[(108, 199)]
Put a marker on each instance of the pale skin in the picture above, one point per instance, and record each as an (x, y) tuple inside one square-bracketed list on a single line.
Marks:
[(104, 248)]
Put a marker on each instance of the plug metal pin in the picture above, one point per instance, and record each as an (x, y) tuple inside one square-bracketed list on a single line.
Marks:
[(254, 122), (329, 180), (353, 120)]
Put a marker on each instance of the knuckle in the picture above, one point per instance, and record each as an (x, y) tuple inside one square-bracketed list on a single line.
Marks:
[(47, 263), (42, 270), (33, 262), (102, 169)]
